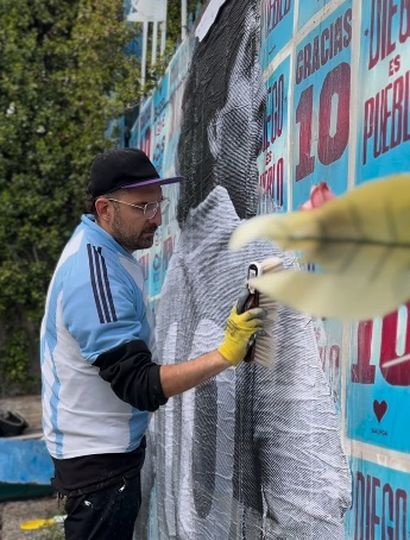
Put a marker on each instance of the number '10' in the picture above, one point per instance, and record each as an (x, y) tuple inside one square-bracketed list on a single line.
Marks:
[(364, 372), (329, 147)]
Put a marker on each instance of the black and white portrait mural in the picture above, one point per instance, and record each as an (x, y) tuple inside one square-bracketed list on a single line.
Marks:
[(256, 452)]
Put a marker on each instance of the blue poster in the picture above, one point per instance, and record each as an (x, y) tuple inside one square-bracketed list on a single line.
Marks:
[(378, 382), (329, 336), (145, 133), (134, 134), (380, 509), (320, 120), (308, 8), (384, 103), (178, 67), (174, 119), (160, 102), (273, 162), (155, 267), (277, 28), (160, 95)]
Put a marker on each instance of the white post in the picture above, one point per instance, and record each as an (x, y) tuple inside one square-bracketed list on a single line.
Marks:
[(154, 44), (164, 30), (184, 19), (144, 52)]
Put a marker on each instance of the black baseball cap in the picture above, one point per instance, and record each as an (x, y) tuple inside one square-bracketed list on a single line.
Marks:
[(124, 168)]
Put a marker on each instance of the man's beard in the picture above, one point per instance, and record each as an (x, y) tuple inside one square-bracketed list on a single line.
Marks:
[(133, 241)]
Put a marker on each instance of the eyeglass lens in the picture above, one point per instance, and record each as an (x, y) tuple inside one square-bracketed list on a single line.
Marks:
[(152, 208)]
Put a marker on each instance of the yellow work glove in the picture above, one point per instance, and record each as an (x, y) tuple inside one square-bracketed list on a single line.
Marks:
[(238, 332)]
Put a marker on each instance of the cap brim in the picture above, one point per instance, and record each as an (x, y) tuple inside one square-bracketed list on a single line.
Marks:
[(154, 181)]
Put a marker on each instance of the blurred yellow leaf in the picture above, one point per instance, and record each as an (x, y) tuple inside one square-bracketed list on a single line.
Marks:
[(40, 523), (361, 241)]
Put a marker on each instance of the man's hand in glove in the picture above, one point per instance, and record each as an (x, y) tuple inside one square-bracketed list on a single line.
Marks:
[(238, 332)]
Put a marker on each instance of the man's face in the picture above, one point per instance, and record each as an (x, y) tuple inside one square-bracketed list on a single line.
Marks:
[(129, 226)]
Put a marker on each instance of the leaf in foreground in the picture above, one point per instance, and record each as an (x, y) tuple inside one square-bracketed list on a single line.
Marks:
[(362, 243)]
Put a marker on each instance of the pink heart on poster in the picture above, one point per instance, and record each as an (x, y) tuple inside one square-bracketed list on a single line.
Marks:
[(380, 409)]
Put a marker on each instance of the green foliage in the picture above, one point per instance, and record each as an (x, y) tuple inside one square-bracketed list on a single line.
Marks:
[(63, 76)]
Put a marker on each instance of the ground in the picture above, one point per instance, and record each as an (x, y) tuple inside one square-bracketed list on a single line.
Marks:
[(13, 514)]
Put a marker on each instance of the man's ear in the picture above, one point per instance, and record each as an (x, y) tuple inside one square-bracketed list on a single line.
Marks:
[(104, 210)]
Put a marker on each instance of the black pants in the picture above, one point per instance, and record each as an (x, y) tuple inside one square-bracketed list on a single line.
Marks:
[(105, 514)]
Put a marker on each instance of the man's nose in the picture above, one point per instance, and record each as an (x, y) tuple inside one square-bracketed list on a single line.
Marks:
[(157, 219)]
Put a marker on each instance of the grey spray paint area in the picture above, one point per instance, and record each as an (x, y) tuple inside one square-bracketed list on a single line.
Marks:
[(253, 453)]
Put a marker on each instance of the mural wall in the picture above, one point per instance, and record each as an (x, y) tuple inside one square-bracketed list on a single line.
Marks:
[(279, 96)]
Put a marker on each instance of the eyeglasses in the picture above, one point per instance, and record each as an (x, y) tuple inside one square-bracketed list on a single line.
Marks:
[(149, 210)]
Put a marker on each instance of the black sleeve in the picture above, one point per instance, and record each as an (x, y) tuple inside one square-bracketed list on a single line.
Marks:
[(133, 376)]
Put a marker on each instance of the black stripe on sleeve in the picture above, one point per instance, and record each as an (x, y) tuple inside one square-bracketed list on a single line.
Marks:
[(97, 261), (94, 284), (132, 374), (107, 286)]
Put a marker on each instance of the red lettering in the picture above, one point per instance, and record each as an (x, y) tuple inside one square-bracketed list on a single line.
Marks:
[(368, 125), (330, 147), (307, 55), (338, 43), (337, 82), (395, 368), (359, 502), (272, 182), (167, 252), (390, 11), (274, 120), (381, 24), (374, 33), (387, 531), (324, 51), (378, 124), (397, 113), (386, 116), (389, 108), (347, 25), (406, 130), (299, 67), (279, 183), (401, 514), (276, 11), (375, 519), (144, 262), (367, 505), (398, 374), (404, 21), (304, 113), (315, 55), (369, 495), (332, 40), (363, 372), (146, 142)]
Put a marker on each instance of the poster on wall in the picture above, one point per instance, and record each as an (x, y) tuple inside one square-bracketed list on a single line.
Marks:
[(308, 9), (134, 134), (320, 122), (273, 162), (380, 509), (378, 385), (176, 71), (160, 125), (384, 105), (145, 125), (277, 28), (329, 336)]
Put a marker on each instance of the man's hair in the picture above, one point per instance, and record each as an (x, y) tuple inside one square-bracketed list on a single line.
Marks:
[(89, 202)]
